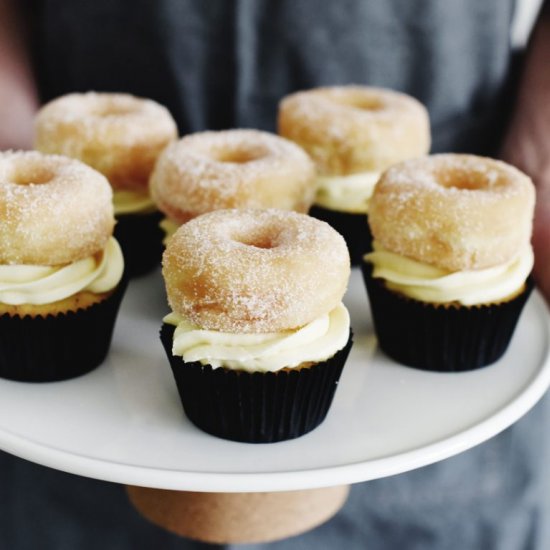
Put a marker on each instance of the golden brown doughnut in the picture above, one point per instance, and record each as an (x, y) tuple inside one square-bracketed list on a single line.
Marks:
[(456, 212), (350, 129), (119, 135), (232, 169), (54, 210), (255, 270)]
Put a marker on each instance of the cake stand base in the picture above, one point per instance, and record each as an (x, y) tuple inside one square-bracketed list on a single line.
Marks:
[(238, 517)]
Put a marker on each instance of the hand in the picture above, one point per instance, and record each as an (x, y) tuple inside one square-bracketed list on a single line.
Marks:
[(18, 99), (527, 143)]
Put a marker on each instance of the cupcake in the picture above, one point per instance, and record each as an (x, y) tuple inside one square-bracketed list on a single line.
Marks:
[(121, 136), (353, 133), (210, 171), (60, 268), (258, 336), (450, 270)]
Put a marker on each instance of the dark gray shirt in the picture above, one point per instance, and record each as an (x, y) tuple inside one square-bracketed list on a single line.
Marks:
[(226, 63)]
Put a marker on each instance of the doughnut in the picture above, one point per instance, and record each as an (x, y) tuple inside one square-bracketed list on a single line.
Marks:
[(119, 135), (255, 271), (54, 210), (232, 169), (456, 212), (351, 129)]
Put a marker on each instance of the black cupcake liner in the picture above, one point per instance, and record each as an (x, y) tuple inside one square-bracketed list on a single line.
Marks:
[(441, 338), (255, 407), (353, 227), (58, 347), (140, 238)]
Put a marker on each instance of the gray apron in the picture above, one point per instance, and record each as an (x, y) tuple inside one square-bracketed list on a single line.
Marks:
[(221, 64)]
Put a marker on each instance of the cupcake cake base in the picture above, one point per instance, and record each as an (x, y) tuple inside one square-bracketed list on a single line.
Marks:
[(255, 407), (58, 347), (439, 337), (353, 227), (140, 238)]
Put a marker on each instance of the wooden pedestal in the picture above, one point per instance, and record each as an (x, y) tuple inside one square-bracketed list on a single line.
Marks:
[(238, 517)]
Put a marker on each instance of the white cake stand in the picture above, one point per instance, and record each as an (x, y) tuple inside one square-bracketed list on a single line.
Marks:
[(124, 422)]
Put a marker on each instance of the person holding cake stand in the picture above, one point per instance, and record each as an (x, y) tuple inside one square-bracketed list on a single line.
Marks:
[(227, 64)]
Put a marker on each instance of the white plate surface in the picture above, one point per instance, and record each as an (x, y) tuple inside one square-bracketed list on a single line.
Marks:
[(124, 422)]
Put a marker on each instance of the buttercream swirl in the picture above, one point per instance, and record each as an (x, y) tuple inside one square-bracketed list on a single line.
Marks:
[(350, 193), (317, 341), (132, 202), (431, 284), (37, 285)]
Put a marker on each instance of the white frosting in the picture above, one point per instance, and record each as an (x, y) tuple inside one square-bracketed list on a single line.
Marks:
[(132, 202), (169, 227), (347, 193), (431, 284), (315, 342), (36, 285)]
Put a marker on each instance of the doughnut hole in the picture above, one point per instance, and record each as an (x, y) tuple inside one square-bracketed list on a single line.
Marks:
[(113, 108), (265, 238), (114, 111), (30, 173), (363, 102), (238, 155), (472, 180)]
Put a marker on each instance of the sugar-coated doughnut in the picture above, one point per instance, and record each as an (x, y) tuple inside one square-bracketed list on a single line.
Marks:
[(54, 210), (253, 271), (350, 129), (119, 135), (456, 212), (232, 169)]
